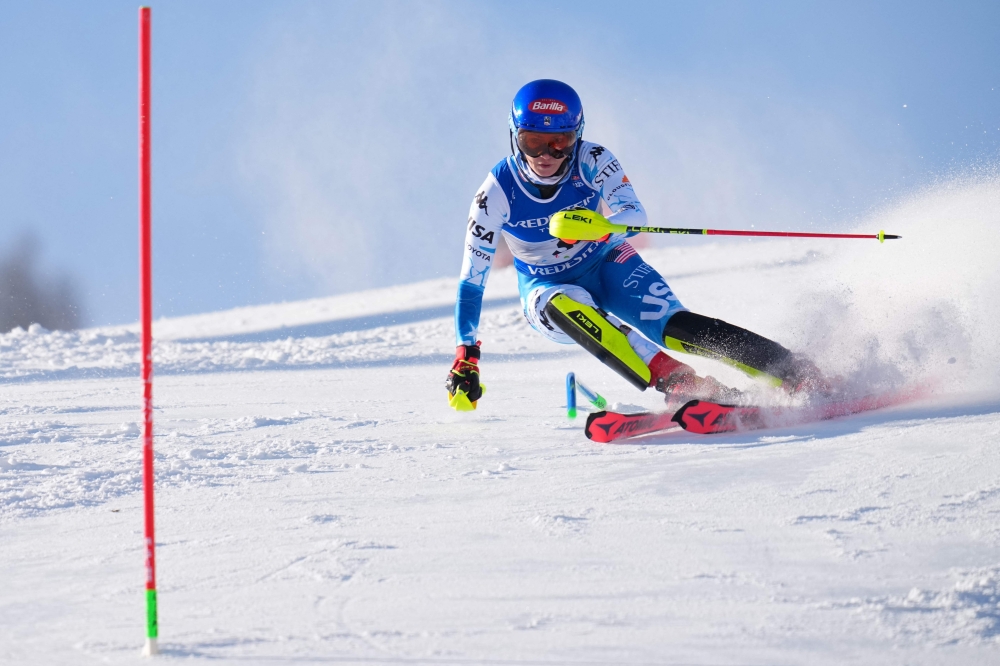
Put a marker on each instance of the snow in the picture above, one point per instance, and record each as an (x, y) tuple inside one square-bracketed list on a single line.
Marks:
[(317, 500)]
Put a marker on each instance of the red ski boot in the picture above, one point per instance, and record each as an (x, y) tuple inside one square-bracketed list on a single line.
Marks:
[(802, 377), (679, 383)]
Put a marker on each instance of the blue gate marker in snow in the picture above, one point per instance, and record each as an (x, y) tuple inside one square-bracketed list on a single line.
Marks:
[(572, 386), (595, 398), (571, 395)]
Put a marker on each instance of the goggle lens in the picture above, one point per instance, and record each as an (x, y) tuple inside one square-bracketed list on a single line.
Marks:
[(536, 144)]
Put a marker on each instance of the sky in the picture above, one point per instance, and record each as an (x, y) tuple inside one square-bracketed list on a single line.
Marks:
[(302, 149)]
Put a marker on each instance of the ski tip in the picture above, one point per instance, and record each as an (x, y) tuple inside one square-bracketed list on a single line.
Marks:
[(593, 416)]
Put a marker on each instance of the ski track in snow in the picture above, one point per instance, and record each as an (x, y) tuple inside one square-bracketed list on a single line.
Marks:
[(318, 502)]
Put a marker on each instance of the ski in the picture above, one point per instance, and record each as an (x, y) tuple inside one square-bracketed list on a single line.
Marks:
[(709, 418), (604, 427)]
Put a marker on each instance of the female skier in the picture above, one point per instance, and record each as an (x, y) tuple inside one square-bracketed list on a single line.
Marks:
[(600, 294)]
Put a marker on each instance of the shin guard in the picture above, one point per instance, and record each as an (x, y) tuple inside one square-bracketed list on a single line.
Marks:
[(754, 354), (589, 328)]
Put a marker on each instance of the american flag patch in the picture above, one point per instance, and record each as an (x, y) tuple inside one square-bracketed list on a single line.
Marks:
[(621, 254)]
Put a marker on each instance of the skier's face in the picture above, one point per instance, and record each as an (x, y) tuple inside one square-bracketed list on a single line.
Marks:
[(545, 151), (544, 165)]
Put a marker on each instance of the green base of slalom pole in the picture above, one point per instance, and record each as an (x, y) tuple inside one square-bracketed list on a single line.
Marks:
[(595, 398), (152, 625)]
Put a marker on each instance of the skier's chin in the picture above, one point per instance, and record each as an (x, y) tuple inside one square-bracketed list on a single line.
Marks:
[(545, 166)]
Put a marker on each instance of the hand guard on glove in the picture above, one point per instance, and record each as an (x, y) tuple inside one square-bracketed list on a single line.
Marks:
[(571, 241), (464, 388)]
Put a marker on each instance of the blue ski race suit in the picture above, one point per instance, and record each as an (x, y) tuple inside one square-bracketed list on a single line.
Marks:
[(610, 274)]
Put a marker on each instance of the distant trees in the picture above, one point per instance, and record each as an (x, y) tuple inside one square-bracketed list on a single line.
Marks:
[(26, 297)]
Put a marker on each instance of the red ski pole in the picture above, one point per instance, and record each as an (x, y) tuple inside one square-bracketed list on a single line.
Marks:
[(881, 236), (587, 225)]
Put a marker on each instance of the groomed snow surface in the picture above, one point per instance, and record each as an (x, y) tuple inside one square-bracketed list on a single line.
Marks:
[(319, 503)]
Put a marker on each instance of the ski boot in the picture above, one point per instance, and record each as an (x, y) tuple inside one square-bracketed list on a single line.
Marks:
[(679, 384), (802, 378)]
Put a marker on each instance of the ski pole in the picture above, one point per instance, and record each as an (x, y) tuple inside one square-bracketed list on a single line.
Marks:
[(586, 225)]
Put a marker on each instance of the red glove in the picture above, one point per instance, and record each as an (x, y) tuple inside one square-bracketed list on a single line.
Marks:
[(464, 387)]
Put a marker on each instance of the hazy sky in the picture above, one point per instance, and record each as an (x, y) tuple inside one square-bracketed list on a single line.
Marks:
[(306, 148)]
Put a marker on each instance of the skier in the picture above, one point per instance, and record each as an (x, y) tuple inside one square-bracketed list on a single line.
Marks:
[(599, 294)]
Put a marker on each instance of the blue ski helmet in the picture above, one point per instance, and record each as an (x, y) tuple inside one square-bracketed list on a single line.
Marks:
[(547, 105)]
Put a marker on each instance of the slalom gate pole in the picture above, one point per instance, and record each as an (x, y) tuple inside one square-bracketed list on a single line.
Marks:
[(572, 386), (146, 318), (595, 398), (571, 395)]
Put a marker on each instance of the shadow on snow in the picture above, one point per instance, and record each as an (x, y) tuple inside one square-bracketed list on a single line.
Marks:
[(132, 370), (338, 326)]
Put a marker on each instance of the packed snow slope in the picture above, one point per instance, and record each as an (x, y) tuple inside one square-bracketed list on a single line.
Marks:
[(318, 502)]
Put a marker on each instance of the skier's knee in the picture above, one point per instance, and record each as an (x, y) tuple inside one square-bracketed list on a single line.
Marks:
[(537, 300)]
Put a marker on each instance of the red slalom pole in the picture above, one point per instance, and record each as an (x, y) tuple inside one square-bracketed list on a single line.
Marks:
[(146, 317)]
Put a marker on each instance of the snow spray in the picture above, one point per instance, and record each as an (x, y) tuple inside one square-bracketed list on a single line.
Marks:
[(928, 310)]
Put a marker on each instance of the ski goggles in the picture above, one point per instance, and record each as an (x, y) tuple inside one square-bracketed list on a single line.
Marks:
[(556, 144)]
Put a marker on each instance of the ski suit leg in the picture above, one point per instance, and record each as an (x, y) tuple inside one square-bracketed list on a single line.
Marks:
[(536, 294), (635, 292), (624, 289), (566, 313), (534, 298)]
